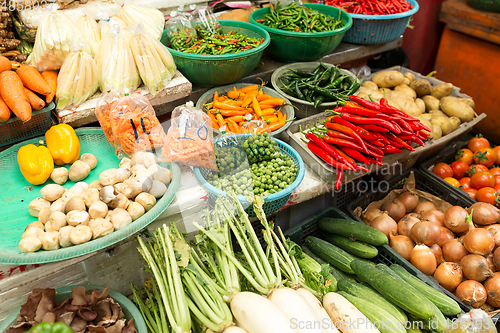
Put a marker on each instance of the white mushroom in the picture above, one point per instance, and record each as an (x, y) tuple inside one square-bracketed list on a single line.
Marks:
[(44, 215), (59, 175), (57, 220), (158, 189), (100, 227), (119, 201), (146, 182), (125, 163), (130, 188), (135, 210), (36, 205), (36, 224), (108, 215), (153, 168), (122, 175), (146, 200), (90, 196), (30, 244), (98, 210), (33, 232), (81, 234), (146, 159), (58, 205), (75, 203), (52, 192), (140, 171), (120, 218), (109, 177), (95, 184), (84, 185), (76, 191), (90, 159), (64, 236), (107, 194), (79, 171), (163, 175), (50, 240), (78, 217)]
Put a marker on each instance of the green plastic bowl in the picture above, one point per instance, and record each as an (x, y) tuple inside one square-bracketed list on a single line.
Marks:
[(291, 46), (217, 70), (485, 5)]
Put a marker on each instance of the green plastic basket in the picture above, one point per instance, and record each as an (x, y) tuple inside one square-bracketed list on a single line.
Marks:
[(17, 193), (219, 70), (129, 309), (289, 46)]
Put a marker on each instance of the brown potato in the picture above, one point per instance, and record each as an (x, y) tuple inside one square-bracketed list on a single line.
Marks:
[(409, 76), (455, 122), (442, 90), (421, 105), (443, 122), (437, 132), (426, 123), (406, 81), (406, 90), (369, 85), (454, 106), (422, 87), (469, 102), (388, 79), (437, 112), (431, 103)]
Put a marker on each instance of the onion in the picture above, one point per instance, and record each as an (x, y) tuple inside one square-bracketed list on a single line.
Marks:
[(487, 308), (406, 223), (472, 293), (492, 286), (434, 215), (496, 258), (395, 209), (484, 213), (370, 215), (425, 233), (491, 263), (438, 253), (475, 267), (449, 275), (454, 250), (495, 232), (409, 200), (414, 215), (478, 240), (446, 235), (423, 259), (402, 245), (455, 219), (424, 206), (385, 223)]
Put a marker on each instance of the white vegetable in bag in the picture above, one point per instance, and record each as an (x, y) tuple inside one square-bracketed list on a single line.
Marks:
[(106, 26), (91, 32), (152, 18)]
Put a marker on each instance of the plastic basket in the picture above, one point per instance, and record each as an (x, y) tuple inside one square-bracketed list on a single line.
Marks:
[(289, 46), (272, 202), (219, 70), (378, 29), (14, 130)]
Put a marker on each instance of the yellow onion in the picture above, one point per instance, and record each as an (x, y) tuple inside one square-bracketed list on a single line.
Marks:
[(492, 286), (425, 233), (478, 240), (424, 206), (446, 235), (475, 267), (409, 200), (449, 275), (406, 223), (423, 259), (455, 219), (370, 215), (402, 245), (454, 250), (385, 223), (395, 209), (472, 292)]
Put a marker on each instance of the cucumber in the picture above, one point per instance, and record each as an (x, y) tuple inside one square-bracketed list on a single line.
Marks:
[(446, 304), (394, 290), (388, 270), (337, 274), (359, 290), (411, 329), (331, 253), (353, 230), (381, 319), (309, 266), (437, 324), (357, 248)]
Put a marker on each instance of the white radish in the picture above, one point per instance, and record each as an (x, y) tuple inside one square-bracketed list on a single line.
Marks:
[(327, 324), (234, 329), (343, 313), (257, 314), (302, 316)]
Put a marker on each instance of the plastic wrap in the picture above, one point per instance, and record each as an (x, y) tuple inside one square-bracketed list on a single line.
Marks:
[(103, 109), (180, 32), (56, 33), (205, 23), (156, 65), (77, 80), (476, 321), (189, 138), (91, 31), (152, 18)]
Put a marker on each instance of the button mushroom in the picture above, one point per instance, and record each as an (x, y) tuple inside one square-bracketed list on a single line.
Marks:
[(98, 210), (30, 244), (52, 192), (125, 163), (158, 189), (75, 203), (130, 188), (108, 215), (64, 236), (153, 168), (79, 171), (90, 159), (95, 184), (84, 185), (119, 201), (163, 175), (58, 205), (139, 171), (44, 215), (109, 177), (90, 196), (144, 158), (146, 182), (146, 200), (122, 174), (59, 175), (33, 232), (76, 191), (107, 194), (36, 224), (36, 205), (81, 234), (120, 218), (50, 240), (78, 217), (57, 220), (100, 227), (135, 210)]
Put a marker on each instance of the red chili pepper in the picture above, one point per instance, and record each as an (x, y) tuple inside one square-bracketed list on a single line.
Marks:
[(361, 112), (326, 147), (374, 161), (375, 149), (363, 120), (401, 142), (374, 128), (350, 159), (355, 154), (365, 103), (350, 144), (345, 127), (339, 135), (388, 149), (330, 160)]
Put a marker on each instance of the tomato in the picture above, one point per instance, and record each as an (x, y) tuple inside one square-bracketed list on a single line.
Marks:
[(487, 194), (476, 168), (497, 187), (465, 183), (452, 181), (471, 192), (482, 179), (497, 151), (443, 170), (497, 180), (465, 155), (478, 143), (485, 156), (459, 169), (495, 171)]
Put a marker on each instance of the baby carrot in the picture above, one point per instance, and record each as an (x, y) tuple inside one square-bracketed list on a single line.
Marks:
[(4, 111), (12, 92), (249, 88), (51, 78), (33, 80), (5, 64), (36, 102)]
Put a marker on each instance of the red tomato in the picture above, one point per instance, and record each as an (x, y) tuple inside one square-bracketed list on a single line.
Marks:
[(465, 183), (443, 170), (471, 192), (465, 155), (497, 180), (497, 187), (459, 169), (476, 168), (482, 179), (485, 156), (487, 194), (478, 143), (495, 171), (497, 151)]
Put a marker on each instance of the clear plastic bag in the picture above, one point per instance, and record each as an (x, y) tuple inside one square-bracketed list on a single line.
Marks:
[(107, 25), (255, 126), (205, 23), (91, 31), (189, 138), (156, 65), (476, 321), (103, 109), (180, 32), (152, 18)]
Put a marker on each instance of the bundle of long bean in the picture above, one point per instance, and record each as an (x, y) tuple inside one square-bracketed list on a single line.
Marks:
[(363, 131), (372, 7)]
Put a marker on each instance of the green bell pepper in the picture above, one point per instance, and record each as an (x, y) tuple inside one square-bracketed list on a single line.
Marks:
[(51, 328)]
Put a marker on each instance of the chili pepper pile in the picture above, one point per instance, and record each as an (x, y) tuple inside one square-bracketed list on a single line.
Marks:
[(363, 131), (300, 19), (321, 85), (371, 7)]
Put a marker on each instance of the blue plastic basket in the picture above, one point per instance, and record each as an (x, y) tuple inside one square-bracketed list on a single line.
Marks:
[(273, 202), (378, 29)]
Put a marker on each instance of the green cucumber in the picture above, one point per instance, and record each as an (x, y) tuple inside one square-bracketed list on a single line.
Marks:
[(353, 230), (357, 248), (388, 270), (309, 266), (381, 319), (437, 324), (413, 329), (446, 304), (331, 253), (337, 274), (394, 290), (359, 290)]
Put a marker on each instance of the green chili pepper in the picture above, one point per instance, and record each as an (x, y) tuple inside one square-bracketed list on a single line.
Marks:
[(298, 92)]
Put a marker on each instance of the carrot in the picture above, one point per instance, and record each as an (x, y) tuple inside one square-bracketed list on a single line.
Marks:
[(36, 102), (249, 88), (4, 111), (51, 78), (5, 64), (12, 92), (33, 80)]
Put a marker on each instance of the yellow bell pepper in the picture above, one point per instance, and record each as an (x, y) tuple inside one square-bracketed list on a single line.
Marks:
[(36, 163), (63, 144)]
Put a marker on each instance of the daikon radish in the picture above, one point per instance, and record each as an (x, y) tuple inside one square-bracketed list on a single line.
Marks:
[(343, 313), (257, 314), (327, 324), (234, 329)]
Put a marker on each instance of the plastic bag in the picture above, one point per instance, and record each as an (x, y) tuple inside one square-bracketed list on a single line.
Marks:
[(476, 321), (205, 23), (77, 80), (255, 126), (189, 138), (107, 25), (152, 18), (53, 41), (103, 109), (180, 32), (115, 63), (156, 65), (91, 31)]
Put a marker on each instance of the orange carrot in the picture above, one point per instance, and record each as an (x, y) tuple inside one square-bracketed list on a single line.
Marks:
[(51, 78), (33, 80), (5, 64), (36, 102), (12, 92), (249, 88), (4, 111)]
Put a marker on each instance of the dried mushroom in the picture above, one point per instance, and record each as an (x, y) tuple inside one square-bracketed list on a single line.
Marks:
[(36, 205)]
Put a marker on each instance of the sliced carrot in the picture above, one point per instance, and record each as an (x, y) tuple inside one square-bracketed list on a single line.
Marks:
[(249, 88), (51, 78), (263, 97), (12, 92), (36, 102), (33, 80), (4, 111), (5, 64)]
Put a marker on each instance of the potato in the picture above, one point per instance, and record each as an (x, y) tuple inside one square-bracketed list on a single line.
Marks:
[(369, 85), (388, 79), (59, 175), (422, 87), (437, 132), (469, 102), (367, 91), (454, 106), (420, 103), (431, 103), (393, 102), (426, 123), (442, 90), (406, 81), (364, 96), (409, 107), (90, 159), (79, 171), (409, 76), (427, 116), (438, 113), (443, 122), (396, 94), (406, 90), (454, 121)]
